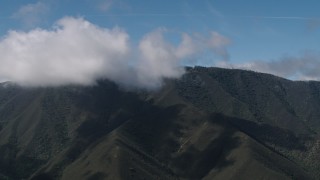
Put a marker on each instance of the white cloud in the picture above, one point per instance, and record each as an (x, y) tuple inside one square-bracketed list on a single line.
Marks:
[(187, 47), (75, 51), (219, 44), (303, 67), (158, 59), (162, 59), (31, 14)]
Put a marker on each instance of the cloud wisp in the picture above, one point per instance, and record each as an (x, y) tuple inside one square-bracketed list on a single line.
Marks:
[(31, 14), (304, 67), (75, 51), (105, 5), (279, 17)]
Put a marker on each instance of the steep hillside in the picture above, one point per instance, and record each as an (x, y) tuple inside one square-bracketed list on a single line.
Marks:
[(281, 114), (212, 123)]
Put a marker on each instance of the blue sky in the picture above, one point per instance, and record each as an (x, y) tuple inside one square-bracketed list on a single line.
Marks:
[(262, 34), (258, 29)]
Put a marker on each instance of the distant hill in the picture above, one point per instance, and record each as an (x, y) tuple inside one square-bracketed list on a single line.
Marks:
[(212, 123)]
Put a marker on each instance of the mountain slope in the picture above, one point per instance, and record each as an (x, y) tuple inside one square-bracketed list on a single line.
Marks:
[(212, 123), (280, 113)]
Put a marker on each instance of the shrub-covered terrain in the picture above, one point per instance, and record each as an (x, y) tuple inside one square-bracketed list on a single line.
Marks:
[(212, 123)]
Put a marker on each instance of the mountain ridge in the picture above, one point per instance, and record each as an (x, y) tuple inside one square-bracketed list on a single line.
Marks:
[(212, 123)]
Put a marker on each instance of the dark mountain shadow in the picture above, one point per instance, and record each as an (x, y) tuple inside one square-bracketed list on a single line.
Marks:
[(107, 108), (195, 163), (147, 124), (267, 134), (150, 128)]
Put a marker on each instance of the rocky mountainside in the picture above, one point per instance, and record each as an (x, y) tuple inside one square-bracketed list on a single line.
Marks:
[(211, 124)]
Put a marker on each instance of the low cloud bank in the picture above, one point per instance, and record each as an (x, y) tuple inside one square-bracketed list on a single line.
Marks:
[(303, 67), (75, 51)]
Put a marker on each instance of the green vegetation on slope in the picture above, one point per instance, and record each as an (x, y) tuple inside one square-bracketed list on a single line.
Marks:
[(211, 124)]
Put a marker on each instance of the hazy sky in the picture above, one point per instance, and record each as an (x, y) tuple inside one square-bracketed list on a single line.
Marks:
[(276, 36)]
